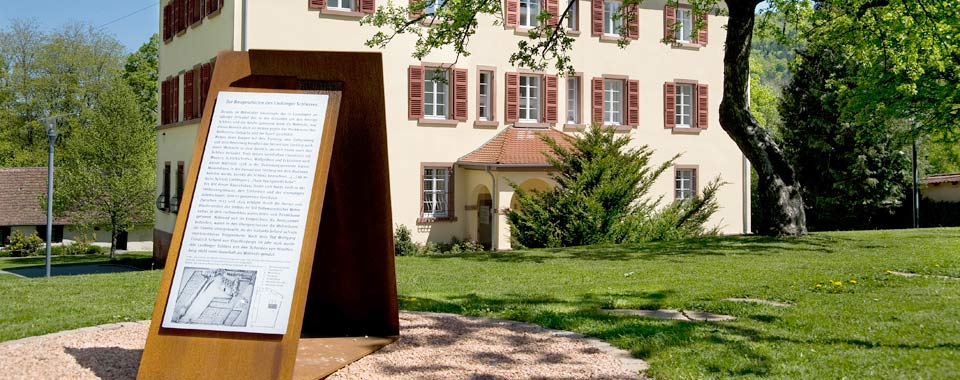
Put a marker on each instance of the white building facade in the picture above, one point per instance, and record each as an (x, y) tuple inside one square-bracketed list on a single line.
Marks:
[(446, 179)]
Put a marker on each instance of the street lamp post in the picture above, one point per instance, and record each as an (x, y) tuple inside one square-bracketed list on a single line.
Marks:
[(916, 188), (51, 138)]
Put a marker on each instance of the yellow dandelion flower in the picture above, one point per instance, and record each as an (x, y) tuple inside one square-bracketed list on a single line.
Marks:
[(889, 271), (819, 285), (853, 282), (837, 283)]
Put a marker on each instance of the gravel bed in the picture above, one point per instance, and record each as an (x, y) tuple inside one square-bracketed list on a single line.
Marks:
[(432, 346)]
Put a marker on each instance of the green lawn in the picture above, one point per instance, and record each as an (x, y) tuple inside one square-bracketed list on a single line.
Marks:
[(881, 327)]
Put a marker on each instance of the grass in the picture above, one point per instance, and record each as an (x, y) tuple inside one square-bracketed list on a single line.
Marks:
[(882, 326), (141, 260)]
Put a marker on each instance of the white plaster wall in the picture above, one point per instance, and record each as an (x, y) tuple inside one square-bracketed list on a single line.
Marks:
[(290, 25), (944, 192)]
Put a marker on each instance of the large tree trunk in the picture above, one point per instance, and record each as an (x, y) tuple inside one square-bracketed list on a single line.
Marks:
[(781, 206)]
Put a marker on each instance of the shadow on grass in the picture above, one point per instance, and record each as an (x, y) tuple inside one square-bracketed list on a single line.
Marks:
[(739, 348), (108, 363), (664, 250)]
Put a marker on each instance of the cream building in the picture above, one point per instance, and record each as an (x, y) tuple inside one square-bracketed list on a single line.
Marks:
[(455, 148)]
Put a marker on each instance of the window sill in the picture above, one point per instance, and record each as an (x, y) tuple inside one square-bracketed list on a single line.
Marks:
[(428, 220), (521, 30), (179, 124), (341, 12), (521, 124), (574, 127), (686, 45), (214, 13), (486, 124), (686, 131), (609, 37), (574, 33), (427, 121)]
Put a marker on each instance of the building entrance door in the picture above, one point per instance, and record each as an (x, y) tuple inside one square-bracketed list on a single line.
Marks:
[(484, 219)]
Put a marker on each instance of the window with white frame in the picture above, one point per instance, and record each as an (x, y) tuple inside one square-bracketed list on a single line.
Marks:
[(684, 31), (573, 100), (684, 97), (484, 96), (340, 5), (435, 94), (686, 183), (529, 10), (573, 15), (612, 102), (435, 192), (611, 23), (432, 6), (529, 98)]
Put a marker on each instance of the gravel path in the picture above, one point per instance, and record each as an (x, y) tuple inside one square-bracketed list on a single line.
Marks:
[(432, 346)]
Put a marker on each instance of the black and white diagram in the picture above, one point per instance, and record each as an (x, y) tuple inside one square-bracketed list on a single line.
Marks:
[(218, 297)]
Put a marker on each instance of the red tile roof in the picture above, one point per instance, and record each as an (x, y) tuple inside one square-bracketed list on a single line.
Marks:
[(21, 192), (517, 146), (941, 178)]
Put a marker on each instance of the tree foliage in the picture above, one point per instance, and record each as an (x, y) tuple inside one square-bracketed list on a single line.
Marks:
[(141, 72), (855, 175), (601, 197), (48, 74), (106, 177)]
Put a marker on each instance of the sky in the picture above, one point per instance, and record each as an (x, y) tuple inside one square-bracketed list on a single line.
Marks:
[(131, 22)]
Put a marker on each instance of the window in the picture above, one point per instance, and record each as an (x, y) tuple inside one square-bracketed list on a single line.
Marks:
[(612, 102), (686, 183), (684, 99), (432, 6), (175, 201), (163, 203), (485, 96), (684, 27), (611, 22), (573, 15), (435, 192), (573, 100), (435, 94), (529, 10), (340, 5), (529, 98)]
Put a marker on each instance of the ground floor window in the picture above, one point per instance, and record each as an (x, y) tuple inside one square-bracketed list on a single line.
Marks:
[(686, 183), (436, 189)]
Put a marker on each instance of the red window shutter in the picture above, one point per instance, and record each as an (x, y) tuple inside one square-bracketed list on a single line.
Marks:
[(552, 102), (633, 103), (460, 94), (512, 98), (450, 192), (176, 16), (163, 102), (318, 4), (597, 89), (190, 7), (512, 10), (204, 85), (633, 26), (418, 13), (415, 92), (669, 105), (181, 15), (702, 34), (198, 10), (176, 99), (596, 8), (553, 6), (669, 19), (167, 11), (703, 106), (166, 101), (188, 95), (368, 6)]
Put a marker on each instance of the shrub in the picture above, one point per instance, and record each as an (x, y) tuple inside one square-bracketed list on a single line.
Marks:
[(82, 246), (403, 244), (24, 245), (601, 197)]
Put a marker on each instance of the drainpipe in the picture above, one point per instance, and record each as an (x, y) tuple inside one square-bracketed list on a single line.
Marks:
[(494, 217), (747, 199), (243, 27)]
